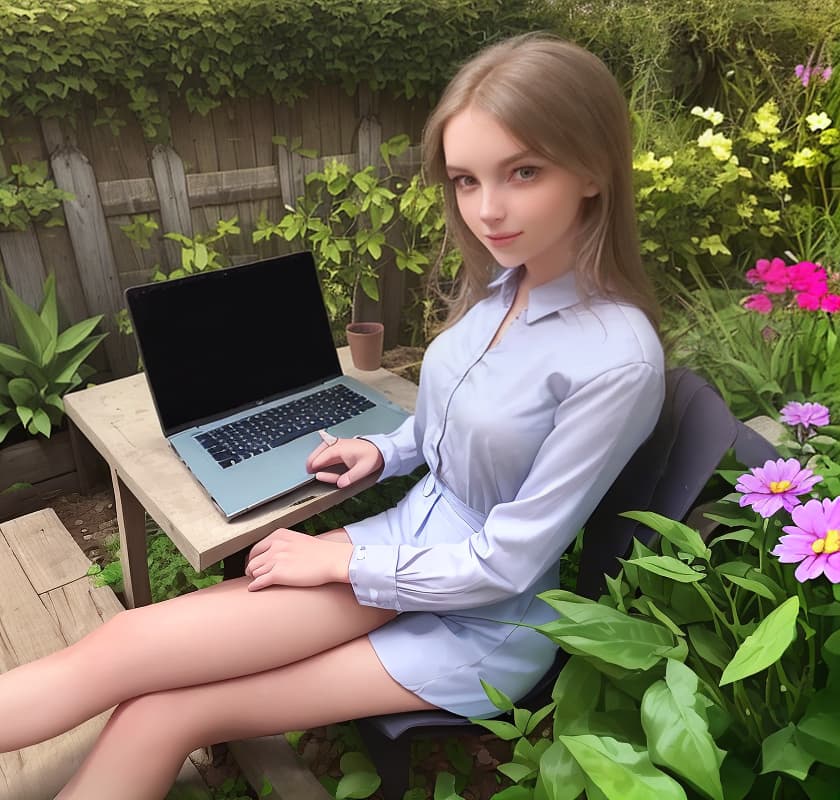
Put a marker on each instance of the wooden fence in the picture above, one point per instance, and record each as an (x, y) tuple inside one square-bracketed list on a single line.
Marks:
[(214, 167)]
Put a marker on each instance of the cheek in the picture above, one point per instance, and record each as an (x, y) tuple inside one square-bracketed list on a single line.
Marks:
[(468, 208)]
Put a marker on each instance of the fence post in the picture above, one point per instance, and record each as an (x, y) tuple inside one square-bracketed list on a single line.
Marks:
[(171, 185), (91, 243)]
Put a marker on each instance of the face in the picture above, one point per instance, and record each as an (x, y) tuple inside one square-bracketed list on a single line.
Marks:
[(522, 207)]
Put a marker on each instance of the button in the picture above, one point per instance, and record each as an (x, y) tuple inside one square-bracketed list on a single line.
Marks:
[(429, 485), (361, 553)]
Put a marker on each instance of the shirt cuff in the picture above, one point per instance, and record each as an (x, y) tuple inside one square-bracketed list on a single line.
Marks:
[(390, 453), (373, 570)]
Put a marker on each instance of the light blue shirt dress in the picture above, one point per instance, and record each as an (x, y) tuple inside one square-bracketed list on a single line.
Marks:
[(522, 440)]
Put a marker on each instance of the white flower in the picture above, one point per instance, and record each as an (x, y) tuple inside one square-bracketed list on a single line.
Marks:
[(709, 114), (818, 122)]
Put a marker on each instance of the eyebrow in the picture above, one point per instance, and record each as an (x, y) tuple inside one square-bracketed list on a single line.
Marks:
[(505, 162)]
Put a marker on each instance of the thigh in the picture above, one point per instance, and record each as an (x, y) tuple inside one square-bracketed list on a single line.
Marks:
[(343, 683), (222, 632)]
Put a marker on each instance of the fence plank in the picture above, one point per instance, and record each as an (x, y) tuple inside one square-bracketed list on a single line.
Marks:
[(171, 185), (23, 264), (128, 196), (91, 244)]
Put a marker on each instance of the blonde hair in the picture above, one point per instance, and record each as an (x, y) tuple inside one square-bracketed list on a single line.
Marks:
[(560, 101)]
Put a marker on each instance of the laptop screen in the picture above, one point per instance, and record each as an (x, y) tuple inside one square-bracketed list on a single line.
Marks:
[(220, 341)]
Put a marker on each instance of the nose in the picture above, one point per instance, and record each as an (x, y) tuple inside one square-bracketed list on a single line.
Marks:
[(492, 205)]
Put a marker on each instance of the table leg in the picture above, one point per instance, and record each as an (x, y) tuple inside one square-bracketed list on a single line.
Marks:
[(131, 517)]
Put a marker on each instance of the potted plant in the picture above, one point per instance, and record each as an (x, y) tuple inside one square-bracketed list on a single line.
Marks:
[(350, 221)]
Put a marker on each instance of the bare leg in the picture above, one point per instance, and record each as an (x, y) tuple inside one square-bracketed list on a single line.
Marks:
[(211, 635), (147, 739)]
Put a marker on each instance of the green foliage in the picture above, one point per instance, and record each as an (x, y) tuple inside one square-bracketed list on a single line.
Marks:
[(150, 54), (44, 366), (170, 574), (708, 671), (28, 195), (351, 220), (756, 361)]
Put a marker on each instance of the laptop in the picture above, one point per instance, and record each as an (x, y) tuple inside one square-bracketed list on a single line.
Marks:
[(243, 370)]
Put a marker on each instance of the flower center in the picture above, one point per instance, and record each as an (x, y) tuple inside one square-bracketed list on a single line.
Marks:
[(830, 543), (777, 487)]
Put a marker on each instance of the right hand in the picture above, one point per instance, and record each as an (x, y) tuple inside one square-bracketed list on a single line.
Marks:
[(359, 456)]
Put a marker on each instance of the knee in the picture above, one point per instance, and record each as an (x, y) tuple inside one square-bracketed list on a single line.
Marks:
[(156, 718)]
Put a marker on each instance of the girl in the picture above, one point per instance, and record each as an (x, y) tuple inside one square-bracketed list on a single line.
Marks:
[(547, 378)]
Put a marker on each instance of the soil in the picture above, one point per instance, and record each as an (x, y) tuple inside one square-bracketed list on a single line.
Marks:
[(92, 521)]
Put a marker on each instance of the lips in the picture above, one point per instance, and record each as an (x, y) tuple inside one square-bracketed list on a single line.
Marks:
[(502, 238)]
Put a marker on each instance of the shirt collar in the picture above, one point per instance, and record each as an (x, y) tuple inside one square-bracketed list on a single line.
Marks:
[(545, 299)]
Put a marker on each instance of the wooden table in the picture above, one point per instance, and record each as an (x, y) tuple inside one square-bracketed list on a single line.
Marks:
[(119, 420)]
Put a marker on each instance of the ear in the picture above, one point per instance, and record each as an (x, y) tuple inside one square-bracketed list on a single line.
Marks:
[(591, 189)]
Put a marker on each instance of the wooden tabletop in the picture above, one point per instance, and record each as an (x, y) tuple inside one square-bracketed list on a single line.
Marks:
[(119, 419)]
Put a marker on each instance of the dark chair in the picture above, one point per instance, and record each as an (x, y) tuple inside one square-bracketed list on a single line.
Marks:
[(666, 475)]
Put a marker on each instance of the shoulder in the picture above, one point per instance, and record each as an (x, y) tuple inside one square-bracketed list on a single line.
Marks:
[(600, 335)]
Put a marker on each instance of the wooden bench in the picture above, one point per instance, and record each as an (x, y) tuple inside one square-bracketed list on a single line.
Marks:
[(47, 601)]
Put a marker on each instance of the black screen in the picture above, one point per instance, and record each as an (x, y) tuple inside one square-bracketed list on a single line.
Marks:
[(219, 341)]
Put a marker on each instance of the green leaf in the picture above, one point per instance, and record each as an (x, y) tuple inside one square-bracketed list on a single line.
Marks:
[(49, 307), (32, 334), (766, 644), (75, 334), (516, 772), (681, 536), (445, 787), (668, 567), (780, 752), (504, 730), (818, 733), (560, 777), (370, 286), (497, 697), (709, 646), (620, 771), (23, 391), (596, 630), (514, 793), (677, 732), (357, 785), (41, 422), (68, 369)]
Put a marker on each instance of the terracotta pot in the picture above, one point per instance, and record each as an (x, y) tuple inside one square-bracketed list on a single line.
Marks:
[(365, 340)]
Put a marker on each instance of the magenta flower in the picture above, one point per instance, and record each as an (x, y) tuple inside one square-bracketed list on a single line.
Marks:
[(804, 74), (773, 274), (775, 485), (813, 540), (826, 74), (759, 302), (806, 414), (808, 301), (830, 303), (807, 277)]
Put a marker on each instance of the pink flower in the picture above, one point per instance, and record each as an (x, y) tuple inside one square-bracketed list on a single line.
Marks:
[(807, 277), (759, 302), (826, 74), (808, 301), (806, 414), (773, 274), (830, 303), (775, 485), (813, 540)]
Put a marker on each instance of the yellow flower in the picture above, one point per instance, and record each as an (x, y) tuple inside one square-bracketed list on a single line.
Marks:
[(650, 163), (720, 146), (779, 144), (779, 181), (770, 215), (767, 118), (818, 122), (806, 157), (709, 114), (830, 136)]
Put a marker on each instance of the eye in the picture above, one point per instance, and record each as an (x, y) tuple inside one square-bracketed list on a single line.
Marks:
[(526, 173), (463, 181)]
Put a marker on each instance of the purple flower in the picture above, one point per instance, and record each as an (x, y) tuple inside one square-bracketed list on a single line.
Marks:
[(813, 540), (805, 414), (775, 485)]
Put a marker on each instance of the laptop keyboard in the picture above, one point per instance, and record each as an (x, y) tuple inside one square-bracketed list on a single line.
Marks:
[(259, 433)]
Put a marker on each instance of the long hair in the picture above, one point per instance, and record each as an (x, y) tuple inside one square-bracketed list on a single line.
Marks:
[(560, 101)]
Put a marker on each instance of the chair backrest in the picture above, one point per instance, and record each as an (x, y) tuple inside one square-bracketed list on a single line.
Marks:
[(666, 474)]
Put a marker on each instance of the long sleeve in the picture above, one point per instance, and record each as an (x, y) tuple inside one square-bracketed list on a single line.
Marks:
[(595, 432), (401, 449)]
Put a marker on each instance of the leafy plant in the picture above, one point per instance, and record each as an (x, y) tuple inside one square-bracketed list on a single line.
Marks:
[(756, 360), (44, 366), (27, 195), (350, 220), (709, 670)]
